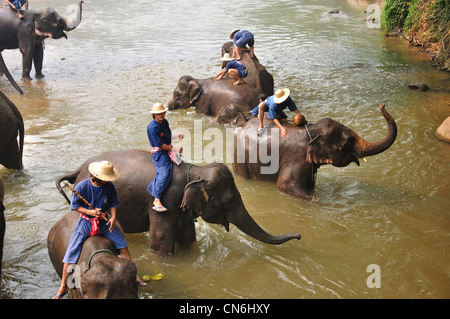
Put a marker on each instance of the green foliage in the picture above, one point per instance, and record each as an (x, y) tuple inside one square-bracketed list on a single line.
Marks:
[(394, 14)]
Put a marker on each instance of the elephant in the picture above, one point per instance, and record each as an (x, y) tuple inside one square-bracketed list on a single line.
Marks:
[(11, 126), (100, 273), (258, 76), (28, 35), (302, 151), (194, 191), (2, 221), (213, 97)]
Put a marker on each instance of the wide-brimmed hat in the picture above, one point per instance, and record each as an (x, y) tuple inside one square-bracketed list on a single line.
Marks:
[(233, 32), (104, 171), (281, 95), (158, 108), (227, 57)]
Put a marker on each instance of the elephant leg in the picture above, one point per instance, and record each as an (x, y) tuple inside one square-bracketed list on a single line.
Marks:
[(161, 232), (10, 158), (186, 230), (296, 180), (38, 59)]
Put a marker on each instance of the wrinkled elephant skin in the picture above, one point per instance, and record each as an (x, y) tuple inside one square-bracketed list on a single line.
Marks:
[(212, 97), (11, 126), (195, 191), (28, 34)]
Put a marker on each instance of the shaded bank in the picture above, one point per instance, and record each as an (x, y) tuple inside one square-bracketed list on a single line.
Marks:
[(423, 23)]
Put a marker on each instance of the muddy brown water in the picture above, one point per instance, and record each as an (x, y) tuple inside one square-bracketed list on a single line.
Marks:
[(392, 211)]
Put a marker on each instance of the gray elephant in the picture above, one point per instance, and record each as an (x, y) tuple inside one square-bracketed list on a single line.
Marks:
[(11, 126), (295, 158), (99, 273), (194, 191), (28, 34), (2, 221), (258, 76), (213, 97)]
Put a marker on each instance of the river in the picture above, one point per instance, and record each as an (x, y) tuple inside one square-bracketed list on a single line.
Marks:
[(391, 212)]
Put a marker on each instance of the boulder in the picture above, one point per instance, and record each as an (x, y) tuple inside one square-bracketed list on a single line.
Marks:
[(443, 131)]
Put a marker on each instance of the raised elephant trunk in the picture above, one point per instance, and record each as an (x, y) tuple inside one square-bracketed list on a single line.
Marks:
[(364, 148), (247, 224), (75, 22)]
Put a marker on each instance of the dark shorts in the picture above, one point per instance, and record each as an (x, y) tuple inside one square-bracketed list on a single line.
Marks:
[(242, 73)]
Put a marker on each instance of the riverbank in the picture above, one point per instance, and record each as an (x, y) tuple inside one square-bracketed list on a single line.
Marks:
[(424, 23)]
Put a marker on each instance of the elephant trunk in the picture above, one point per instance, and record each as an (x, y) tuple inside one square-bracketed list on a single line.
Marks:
[(248, 225), (75, 22), (364, 148)]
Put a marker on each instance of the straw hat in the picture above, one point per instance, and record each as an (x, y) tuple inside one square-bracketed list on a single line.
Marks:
[(104, 171), (227, 57), (158, 108), (281, 95), (233, 32)]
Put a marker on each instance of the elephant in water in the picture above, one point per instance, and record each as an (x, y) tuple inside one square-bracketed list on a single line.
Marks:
[(2, 221), (218, 98), (296, 158), (11, 126), (99, 273), (194, 191), (258, 76), (28, 35)]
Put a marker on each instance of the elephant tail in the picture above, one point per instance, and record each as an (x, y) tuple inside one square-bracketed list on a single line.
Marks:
[(5, 70), (71, 178)]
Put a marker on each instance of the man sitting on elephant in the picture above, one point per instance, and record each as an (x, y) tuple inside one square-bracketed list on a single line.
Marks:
[(92, 198), (235, 68), (274, 106), (16, 5)]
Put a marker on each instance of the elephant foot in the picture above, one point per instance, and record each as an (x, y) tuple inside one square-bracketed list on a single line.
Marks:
[(39, 76), (26, 78)]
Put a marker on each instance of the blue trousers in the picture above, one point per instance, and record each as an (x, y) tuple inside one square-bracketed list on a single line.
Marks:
[(81, 233), (162, 178)]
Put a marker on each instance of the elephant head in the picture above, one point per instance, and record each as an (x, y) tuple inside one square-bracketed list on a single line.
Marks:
[(216, 200), (104, 275), (185, 94), (50, 24), (336, 144)]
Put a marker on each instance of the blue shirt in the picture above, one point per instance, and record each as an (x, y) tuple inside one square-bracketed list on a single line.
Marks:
[(103, 197), (276, 109), (235, 65)]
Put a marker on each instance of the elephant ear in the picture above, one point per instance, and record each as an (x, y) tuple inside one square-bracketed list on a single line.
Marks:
[(318, 152), (195, 91), (195, 197)]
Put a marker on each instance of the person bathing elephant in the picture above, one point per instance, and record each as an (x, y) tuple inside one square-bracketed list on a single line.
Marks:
[(303, 151), (257, 74), (93, 197), (212, 97), (99, 272), (28, 34), (2, 222), (11, 127), (194, 191)]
